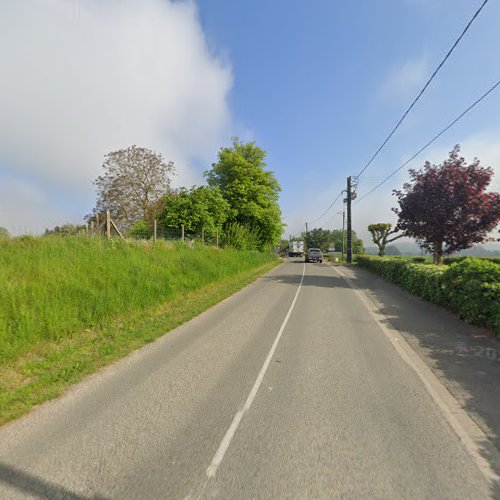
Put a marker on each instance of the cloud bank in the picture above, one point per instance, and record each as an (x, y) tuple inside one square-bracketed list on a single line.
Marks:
[(82, 78)]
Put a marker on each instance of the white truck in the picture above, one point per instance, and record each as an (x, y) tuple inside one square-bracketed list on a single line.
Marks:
[(296, 249)]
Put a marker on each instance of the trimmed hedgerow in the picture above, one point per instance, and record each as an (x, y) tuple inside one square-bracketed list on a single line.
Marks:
[(460, 258), (471, 286)]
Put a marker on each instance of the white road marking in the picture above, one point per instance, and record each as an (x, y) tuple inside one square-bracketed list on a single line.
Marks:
[(471, 436), (226, 440)]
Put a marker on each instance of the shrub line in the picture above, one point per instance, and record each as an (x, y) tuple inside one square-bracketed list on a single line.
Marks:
[(468, 286)]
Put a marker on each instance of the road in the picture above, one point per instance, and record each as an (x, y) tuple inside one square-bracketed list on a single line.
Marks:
[(288, 389)]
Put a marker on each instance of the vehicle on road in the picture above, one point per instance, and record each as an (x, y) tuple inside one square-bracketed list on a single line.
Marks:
[(296, 249), (314, 255)]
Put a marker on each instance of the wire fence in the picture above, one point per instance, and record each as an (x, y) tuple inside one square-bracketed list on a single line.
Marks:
[(103, 226)]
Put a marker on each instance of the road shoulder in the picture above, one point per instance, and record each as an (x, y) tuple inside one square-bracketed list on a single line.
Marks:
[(458, 363)]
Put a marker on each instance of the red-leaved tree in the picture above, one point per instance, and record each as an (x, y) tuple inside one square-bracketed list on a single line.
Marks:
[(446, 207)]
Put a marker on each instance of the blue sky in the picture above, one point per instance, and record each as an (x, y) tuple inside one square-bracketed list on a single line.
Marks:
[(318, 84)]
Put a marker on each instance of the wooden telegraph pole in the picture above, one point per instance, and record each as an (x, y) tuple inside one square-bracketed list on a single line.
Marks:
[(349, 221)]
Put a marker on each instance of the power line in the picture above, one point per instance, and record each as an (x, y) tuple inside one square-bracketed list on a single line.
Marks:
[(424, 88), (327, 210), (423, 148)]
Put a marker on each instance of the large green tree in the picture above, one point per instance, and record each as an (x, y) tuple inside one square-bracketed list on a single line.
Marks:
[(200, 208), (251, 191)]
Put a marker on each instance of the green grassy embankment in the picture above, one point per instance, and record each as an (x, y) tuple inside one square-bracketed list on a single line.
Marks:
[(71, 306)]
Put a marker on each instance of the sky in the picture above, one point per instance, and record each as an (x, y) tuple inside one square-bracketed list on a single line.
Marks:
[(318, 84)]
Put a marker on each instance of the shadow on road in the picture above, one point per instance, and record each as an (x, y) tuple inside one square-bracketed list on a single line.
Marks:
[(466, 358), (327, 280), (28, 484)]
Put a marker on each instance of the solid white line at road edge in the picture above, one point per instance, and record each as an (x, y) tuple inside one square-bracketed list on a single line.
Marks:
[(471, 436), (226, 441)]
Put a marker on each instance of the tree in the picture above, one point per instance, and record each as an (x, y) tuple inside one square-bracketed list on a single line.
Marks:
[(318, 238), (4, 233), (325, 239), (392, 250), (67, 230), (446, 207), (381, 233), (251, 191), (358, 246), (135, 180), (200, 208)]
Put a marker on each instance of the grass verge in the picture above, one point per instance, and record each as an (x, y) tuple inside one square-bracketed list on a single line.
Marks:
[(37, 370)]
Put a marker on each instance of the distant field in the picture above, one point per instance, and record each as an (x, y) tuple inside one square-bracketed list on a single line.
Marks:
[(69, 306)]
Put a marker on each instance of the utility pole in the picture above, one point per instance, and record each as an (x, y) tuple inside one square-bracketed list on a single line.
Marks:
[(307, 236), (343, 233), (349, 221)]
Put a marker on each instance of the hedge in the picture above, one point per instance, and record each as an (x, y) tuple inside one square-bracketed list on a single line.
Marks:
[(459, 258), (470, 286)]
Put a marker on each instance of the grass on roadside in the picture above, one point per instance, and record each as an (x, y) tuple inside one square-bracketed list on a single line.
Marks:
[(95, 302)]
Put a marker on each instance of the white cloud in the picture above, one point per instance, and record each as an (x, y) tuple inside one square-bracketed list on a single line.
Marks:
[(485, 146), (404, 81), (27, 209), (80, 79)]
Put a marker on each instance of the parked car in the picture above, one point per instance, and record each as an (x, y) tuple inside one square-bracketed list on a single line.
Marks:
[(314, 255)]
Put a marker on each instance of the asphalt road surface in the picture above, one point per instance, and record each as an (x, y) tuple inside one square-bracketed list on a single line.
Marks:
[(288, 389)]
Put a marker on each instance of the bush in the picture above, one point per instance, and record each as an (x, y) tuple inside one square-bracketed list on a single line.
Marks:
[(460, 258), (470, 287), (475, 286), (140, 230), (418, 259), (241, 237)]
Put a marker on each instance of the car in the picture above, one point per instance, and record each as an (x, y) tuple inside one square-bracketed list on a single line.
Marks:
[(314, 255)]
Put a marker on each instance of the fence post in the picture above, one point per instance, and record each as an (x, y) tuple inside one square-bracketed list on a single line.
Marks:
[(154, 231), (203, 235), (182, 232), (98, 225), (217, 238), (108, 225)]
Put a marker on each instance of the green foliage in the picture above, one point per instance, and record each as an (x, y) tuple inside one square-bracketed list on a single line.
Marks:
[(476, 290), (419, 259), (318, 238), (460, 258), (54, 288), (67, 230), (200, 208), (140, 231), (4, 233), (240, 237), (470, 287), (326, 238), (251, 191)]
